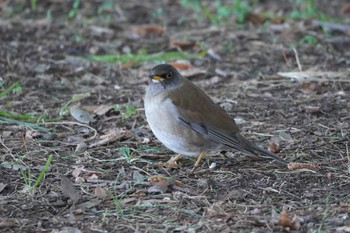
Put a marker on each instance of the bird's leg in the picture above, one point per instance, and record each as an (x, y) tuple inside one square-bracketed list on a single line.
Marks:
[(199, 158), (171, 163)]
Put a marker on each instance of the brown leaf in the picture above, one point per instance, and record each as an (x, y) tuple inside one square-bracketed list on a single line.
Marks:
[(254, 18), (104, 110), (148, 29), (112, 136), (100, 192), (161, 184), (284, 220), (69, 190), (183, 45), (9, 223), (345, 9), (296, 166), (181, 65), (311, 87), (273, 147), (32, 135), (77, 171)]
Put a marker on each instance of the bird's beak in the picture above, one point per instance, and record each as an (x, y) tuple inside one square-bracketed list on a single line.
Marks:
[(155, 78)]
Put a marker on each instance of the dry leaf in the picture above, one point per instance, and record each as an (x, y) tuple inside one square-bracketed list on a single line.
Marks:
[(345, 9), (9, 223), (77, 171), (183, 45), (311, 87), (273, 147), (312, 109), (69, 190), (6, 134), (81, 115), (32, 134), (284, 220), (2, 186), (112, 136), (160, 184), (100, 192), (147, 29), (329, 175), (254, 18), (103, 110), (181, 65), (311, 166)]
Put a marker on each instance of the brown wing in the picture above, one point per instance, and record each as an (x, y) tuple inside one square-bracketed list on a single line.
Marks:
[(211, 120), (203, 109)]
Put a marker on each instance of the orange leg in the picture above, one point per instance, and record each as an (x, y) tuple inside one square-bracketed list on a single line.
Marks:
[(199, 158)]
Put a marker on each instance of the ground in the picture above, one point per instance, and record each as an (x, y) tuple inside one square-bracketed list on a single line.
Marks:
[(94, 169)]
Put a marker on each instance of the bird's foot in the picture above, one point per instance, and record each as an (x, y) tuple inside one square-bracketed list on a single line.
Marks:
[(199, 159)]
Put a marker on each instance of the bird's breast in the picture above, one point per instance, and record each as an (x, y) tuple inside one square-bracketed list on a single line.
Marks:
[(162, 118)]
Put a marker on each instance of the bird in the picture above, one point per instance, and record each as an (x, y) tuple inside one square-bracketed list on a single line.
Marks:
[(188, 122)]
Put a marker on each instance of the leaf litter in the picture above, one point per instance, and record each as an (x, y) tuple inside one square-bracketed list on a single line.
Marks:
[(292, 95)]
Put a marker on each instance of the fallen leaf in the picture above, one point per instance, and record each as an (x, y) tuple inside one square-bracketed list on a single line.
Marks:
[(2, 186), (100, 192), (273, 147), (311, 166), (69, 190), (183, 45), (137, 177), (9, 223), (81, 115), (77, 171), (343, 229), (161, 186), (254, 18), (345, 9), (181, 65), (6, 134), (32, 135), (103, 110), (312, 109), (284, 220), (311, 87), (147, 29), (112, 136)]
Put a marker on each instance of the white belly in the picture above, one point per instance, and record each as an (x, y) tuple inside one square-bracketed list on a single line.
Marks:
[(166, 127)]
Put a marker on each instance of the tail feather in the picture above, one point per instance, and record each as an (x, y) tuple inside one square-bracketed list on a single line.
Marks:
[(264, 152)]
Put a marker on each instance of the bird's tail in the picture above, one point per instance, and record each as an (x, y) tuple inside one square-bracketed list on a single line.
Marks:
[(266, 153)]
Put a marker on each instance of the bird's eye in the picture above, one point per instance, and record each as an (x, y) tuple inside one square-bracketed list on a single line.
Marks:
[(169, 75)]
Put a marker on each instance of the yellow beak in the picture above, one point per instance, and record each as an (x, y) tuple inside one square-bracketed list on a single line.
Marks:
[(156, 77)]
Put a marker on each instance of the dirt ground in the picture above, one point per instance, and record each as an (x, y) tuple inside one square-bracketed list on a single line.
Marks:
[(285, 81)]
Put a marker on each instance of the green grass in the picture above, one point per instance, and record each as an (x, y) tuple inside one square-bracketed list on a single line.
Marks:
[(75, 98), (30, 186), (127, 110), (15, 88), (217, 12)]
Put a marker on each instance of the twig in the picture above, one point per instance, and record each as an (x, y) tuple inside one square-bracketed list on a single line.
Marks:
[(297, 59)]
